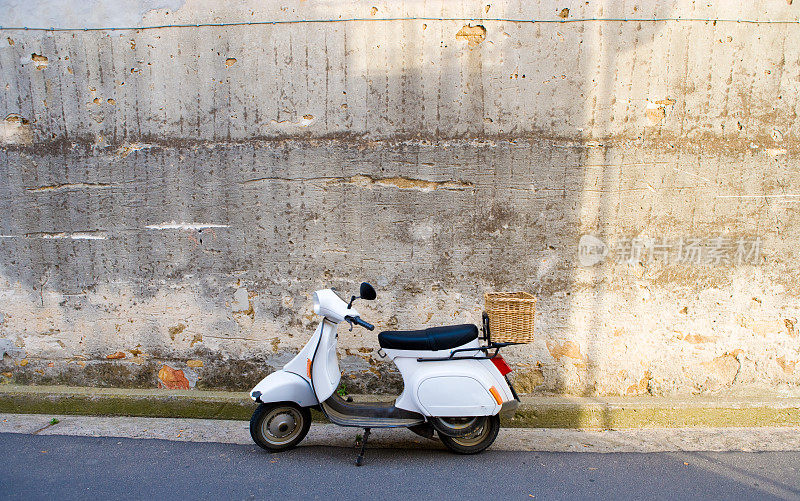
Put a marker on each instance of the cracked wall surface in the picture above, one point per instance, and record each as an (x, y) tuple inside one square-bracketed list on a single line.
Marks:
[(171, 197)]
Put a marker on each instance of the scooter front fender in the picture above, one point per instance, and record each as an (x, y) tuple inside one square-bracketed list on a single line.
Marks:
[(282, 386)]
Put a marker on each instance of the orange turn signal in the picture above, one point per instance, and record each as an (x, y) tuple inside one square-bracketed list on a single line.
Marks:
[(496, 395), (308, 367)]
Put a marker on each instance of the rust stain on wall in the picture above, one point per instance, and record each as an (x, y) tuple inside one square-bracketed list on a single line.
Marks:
[(129, 148), (473, 35), (787, 365), (642, 387), (791, 327), (724, 369), (174, 331), (172, 379), (657, 111), (698, 339), (567, 349), (66, 186), (404, 183), (39, 61)]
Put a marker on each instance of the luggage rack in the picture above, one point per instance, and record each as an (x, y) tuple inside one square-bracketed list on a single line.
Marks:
[(485, 349)]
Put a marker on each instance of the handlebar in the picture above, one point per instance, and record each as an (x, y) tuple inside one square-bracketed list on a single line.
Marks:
[(358, 321)]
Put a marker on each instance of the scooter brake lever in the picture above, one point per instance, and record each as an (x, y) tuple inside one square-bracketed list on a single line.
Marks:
[(351, 324)]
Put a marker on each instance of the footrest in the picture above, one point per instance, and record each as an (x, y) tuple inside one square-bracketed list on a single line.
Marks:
[(368, 415)]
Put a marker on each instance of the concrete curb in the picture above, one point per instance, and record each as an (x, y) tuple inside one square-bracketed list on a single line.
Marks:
[(329, 435), (534, 412)]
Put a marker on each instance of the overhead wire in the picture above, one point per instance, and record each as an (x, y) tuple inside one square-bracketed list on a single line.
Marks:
[(410, 18)]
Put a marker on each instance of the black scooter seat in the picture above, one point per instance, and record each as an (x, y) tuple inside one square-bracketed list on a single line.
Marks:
[(435, 338)]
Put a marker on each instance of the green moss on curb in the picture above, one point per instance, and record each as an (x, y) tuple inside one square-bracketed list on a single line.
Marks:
[(596, 417), (541, 412), (109, 405)]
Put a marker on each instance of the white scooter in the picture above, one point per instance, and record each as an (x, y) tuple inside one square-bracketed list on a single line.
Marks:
[(452, 384)]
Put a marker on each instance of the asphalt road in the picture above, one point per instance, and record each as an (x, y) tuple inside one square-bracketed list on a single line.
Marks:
[(62, 467)]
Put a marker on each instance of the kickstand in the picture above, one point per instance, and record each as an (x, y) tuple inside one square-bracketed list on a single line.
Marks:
[(360, 458)]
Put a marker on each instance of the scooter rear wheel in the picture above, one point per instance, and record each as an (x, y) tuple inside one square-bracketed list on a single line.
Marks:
[(475, 442), (279, 426)]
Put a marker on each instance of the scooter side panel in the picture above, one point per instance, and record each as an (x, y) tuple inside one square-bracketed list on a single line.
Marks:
[(457, 395), (282, 386), (463, 387)]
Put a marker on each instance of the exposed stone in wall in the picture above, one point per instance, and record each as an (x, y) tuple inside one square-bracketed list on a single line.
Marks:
[(473, 35), (15, 130)]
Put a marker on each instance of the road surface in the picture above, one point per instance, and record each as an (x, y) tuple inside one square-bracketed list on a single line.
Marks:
[(75, 467)]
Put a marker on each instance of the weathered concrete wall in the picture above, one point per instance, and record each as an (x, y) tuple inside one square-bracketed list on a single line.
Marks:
[(170, 197)]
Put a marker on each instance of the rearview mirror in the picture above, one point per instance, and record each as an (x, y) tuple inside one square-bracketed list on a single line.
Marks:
[(367, 292)]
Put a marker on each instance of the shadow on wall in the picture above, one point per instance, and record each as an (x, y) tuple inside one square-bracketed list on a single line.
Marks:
[(474, 200)]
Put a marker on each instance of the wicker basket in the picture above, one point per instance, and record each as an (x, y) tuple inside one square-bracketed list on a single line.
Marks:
[(511, 316)]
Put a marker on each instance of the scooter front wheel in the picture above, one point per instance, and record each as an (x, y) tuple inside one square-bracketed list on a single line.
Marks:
[(279, 426), (477, 441)]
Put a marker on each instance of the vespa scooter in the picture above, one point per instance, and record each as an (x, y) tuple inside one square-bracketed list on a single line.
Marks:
[(453, 384)]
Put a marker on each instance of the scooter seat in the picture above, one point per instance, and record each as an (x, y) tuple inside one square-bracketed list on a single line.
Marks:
[(434, 338)]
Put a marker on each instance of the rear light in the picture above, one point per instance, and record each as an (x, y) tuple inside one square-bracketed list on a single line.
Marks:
[(501, 365)]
